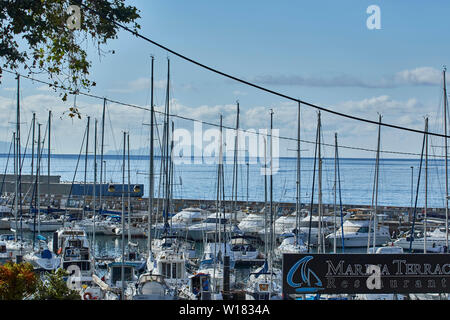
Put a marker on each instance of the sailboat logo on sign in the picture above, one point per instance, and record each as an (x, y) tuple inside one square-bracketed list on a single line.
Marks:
[(310, 282)]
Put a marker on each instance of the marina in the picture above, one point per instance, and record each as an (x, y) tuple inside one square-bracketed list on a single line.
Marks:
[(116, 244), (171, 194)]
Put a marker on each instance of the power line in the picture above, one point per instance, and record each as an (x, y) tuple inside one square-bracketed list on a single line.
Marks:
[(253, 84), (206, 122)]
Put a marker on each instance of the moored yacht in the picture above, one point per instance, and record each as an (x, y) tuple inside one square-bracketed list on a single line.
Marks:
[(356, 233), (290, 244), (73, 246), (244, 252), (181, 221), (252, 223), (435, 240), (198, 231)]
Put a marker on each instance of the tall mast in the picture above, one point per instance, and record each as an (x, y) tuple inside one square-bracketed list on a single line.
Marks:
[(426, 189), (311, 207), (18, 154), (33, 123), (85, 165), (335, 192), (166, 215), (271, 195), (236, 154), (129, 195), (319, 244), (171, 173), (38, 176), (297, 222), (219, 184), (248, 176), (123, 217), (94, 193), (48, 152), (150, 176), (16, 207), (266, 251), (377, 174), (446, 159), (101, 158), (340, 195)]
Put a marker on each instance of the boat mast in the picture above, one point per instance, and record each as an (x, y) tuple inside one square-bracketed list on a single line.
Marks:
[(150, 176), (377, 174), (446, 159), (16, 186), (129, 195), (335, 192), (122, 296), (417, 191), (101, 158), (219, 205), (33, 123), (319, 245), (235, 165), (426, 189), (297, 221), (48, 153), (266, 251), (166, 147), (38, 179), (85, 166), (171, 174), (271, 199), (19, 167), (248, 175), (340, 194), (94, 193), (311, 207)]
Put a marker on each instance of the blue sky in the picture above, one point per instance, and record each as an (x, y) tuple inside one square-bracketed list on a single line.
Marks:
[(318, 51)]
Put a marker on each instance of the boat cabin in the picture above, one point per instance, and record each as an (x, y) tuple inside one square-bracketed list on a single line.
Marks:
[(199, 285), (115, 273)]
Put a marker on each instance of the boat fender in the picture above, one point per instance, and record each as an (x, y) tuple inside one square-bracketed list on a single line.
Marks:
[(87, 296)]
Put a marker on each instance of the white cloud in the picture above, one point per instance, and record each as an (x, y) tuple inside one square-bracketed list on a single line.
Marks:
[(421, 76), (143, 84), (69, 132)]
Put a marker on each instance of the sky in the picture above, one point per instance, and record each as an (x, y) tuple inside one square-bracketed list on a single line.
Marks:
[(318, 51)]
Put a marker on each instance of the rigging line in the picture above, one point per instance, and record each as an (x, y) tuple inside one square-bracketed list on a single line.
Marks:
[(248, 83), (225, 127)]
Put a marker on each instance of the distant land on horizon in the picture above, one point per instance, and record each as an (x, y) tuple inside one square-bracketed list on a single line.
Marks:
[(143, 153)]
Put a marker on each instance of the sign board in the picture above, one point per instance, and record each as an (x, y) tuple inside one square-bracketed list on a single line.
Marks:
[(366, 273)]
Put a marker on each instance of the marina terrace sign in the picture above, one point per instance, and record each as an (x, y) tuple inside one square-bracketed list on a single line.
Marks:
[(365, 273)]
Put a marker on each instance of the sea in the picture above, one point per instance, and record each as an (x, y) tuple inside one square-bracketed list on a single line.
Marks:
[(397, 184), (197, 179)]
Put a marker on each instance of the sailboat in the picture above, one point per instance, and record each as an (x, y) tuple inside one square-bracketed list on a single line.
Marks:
[(293, 243), (265, 282), (42, 258)]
